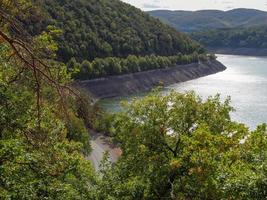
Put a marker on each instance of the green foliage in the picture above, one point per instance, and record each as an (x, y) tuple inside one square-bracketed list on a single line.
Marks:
[(38, 161), (78, 132), (178, 146), (254, 37), (106, 28), (248, 178), (175, 146), (41, 152), (104, 124), (116, 66), (13, 8), (100, 38), (42, 164)]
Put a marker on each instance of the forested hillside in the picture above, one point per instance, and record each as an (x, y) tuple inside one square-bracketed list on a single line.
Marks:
[(238, 28), (103, 28), (175, 146), (254, 37), (194, 21)]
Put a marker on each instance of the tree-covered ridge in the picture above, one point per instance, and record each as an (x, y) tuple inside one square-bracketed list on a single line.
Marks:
[(254, 37), (195, 21), (101, 28)]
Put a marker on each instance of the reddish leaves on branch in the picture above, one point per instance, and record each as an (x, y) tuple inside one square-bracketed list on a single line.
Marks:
[(24, 54)]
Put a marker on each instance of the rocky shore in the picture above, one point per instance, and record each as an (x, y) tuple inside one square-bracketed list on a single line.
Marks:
[(128, 84)]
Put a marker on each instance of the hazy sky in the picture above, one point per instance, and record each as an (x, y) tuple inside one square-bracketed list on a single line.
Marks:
[(198, 4)]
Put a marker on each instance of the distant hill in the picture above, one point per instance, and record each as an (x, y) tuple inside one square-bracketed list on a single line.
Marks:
[(252, 37), (194, 21), (103, 28)]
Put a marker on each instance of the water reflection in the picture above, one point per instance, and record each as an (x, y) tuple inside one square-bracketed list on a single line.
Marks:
[(245, 80)]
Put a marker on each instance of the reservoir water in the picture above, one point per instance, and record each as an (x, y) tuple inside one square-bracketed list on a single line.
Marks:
[(245, 80)]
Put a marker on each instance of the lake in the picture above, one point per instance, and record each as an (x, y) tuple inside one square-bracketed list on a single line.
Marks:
[(245, 80)]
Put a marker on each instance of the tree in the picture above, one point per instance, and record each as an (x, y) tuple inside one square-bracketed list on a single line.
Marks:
[(178, 147), (247, 179), (86, 70), (41, 157)]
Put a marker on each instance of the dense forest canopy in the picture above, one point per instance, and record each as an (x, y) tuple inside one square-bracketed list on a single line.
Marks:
[(254, 37), (175, 146), (101, 28)]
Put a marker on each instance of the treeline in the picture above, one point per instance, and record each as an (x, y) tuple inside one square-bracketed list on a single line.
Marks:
[(102, 67), (106, 28), (254, 37)]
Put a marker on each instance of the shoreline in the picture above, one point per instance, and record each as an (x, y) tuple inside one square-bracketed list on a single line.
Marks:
[(124, 85), (238, 51), (100, 144)]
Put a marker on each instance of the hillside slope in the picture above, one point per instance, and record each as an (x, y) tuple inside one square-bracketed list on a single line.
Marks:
[(253, 37), (193, 21), (102, 28)]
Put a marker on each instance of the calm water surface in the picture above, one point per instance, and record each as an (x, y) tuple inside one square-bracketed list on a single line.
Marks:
[(245, 80)]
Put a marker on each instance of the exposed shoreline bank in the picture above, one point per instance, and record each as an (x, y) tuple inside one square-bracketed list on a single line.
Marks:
[(128, 84), (239, 51)]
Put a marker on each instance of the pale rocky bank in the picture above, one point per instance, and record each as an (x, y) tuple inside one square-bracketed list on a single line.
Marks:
[(128, 84)]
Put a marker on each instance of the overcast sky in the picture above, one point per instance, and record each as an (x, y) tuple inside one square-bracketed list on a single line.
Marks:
[(198, 4)]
